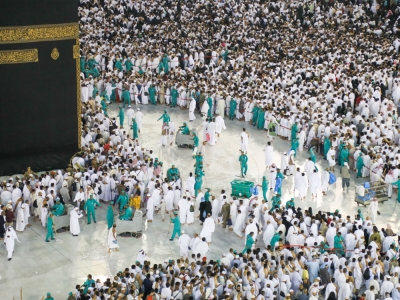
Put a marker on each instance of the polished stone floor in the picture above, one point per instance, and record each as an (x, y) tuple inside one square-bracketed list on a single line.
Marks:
[(39, 267)]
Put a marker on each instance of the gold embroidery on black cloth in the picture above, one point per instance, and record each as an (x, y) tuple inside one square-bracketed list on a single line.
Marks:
[(75, 51), (55, 54), (38, 33), (19, 56)]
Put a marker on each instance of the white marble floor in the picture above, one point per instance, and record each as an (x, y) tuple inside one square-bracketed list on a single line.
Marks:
[(39, 267)]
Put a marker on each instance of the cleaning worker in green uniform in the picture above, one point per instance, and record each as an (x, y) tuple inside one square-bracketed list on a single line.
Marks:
[(58, 208), (264, 187), (359, 165), (121, 116), (165, 117), (122, 200), (110, 215), (49, 226), (397, 183), (243, 163), (135, 129), (177, 226), (127, 213), (89, 207)]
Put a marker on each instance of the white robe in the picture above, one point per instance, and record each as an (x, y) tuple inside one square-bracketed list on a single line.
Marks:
[(268, 153), (268, 234), (189, 214), (251, 227), (130, 113), (238, 227), (202, 248), (192, 108), (150, 209), (27, 214), (182, 204), (204, 108), (74, 226), (221, 107), (330, 288), (190, 185), (9, 240), (233, 213), (330, 236), (325, 181), (314, 183), (373, 210), (350, 243), (111, 244), (301, 138), (367, 165), (169, 200), (309, 167), (215, 209), (303, 186), (20, 223), (184, 241), (344, 292), (219, 124), (208, 229), (331, 157), (211, 132), (139, 119), (43, 216)]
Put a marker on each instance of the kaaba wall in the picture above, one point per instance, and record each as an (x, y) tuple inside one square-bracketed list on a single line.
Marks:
[(39, 79)]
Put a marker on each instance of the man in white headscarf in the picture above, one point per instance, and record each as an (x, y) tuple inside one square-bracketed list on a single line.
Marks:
[(184, 242), (314, 183), (325, 181), (139, 119), (192, 107), (219, 124), (373, 209), (74, 226), (20, 223), (291, 162), (268, 233), (268, 153), (182, 205), (331, 158), (302, 186), (9, 240), (208, 228)]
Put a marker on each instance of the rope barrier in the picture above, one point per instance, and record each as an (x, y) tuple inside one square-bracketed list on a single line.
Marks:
[(316, 247)]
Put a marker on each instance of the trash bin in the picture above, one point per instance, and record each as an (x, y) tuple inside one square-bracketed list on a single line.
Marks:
[(241, 188)]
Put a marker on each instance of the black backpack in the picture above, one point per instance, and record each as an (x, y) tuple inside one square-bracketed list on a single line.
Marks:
[(367, 274), (35, 204), (74, 187), (99, 191)]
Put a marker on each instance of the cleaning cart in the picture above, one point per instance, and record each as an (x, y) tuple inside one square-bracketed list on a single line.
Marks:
[(368, 190), (242, 188)]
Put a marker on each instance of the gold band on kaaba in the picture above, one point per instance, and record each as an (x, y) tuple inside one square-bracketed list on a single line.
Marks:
[(19, 56), (38, 33)]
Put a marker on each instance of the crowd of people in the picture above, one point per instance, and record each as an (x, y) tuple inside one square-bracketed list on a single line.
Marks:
[(320, 74), (308, 257)]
